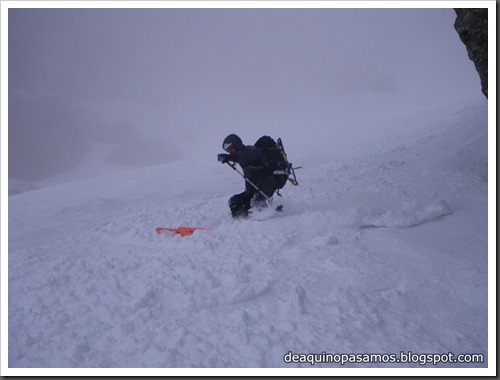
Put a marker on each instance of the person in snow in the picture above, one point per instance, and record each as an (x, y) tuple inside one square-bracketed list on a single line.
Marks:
[(253, 162)]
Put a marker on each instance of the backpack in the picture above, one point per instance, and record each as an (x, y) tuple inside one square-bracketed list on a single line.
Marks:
[(277, 160)]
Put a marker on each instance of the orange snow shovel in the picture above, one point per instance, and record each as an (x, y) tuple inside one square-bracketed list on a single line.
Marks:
[(183, 231)]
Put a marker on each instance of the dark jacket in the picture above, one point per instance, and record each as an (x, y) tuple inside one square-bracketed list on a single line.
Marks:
[(252, 161), (251, 158)]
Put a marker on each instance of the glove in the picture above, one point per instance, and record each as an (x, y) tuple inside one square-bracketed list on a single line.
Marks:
[(223, 158)]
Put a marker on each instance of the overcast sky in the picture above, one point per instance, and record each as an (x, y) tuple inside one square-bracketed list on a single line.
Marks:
[(192, 76)]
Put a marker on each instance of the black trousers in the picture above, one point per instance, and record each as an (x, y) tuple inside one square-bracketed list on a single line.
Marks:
[(241, 203)]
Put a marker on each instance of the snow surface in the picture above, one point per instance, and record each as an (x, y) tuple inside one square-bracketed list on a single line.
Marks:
[(382, 248)]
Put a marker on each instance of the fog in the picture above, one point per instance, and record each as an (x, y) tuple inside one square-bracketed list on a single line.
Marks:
[(97, 90)]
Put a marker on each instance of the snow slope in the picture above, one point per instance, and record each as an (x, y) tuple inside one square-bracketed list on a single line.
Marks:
[(381, 249)]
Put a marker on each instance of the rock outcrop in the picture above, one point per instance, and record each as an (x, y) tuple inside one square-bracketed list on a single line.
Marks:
[(472, 27)]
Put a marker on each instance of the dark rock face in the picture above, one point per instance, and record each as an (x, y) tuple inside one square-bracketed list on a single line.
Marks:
[(472, 27)]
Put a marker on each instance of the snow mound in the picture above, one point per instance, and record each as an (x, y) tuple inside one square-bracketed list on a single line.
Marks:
[(410, 216)]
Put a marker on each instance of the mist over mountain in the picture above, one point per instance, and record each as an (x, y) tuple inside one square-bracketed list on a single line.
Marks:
[(97, 90), (46, 138)]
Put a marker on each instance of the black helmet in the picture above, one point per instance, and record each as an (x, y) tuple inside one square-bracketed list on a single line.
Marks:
[(233, 140)]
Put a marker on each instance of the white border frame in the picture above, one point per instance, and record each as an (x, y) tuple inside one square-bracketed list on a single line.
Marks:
[(490, 371)]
